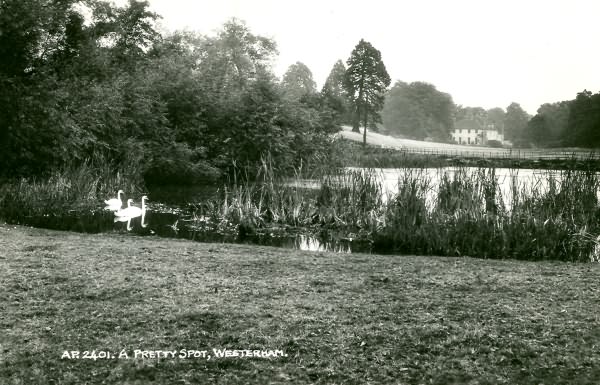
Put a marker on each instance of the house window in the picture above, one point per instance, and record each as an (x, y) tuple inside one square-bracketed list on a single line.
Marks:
[(469, 131), (469, 139)]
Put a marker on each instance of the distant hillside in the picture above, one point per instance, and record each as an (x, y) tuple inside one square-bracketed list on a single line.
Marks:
[(418, 146), (392, 142)]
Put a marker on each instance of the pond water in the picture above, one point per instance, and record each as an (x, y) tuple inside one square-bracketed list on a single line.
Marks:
[(174, 221), (169, 213)]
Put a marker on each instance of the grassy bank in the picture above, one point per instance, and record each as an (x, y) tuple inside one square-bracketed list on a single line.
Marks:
[(351, 319)]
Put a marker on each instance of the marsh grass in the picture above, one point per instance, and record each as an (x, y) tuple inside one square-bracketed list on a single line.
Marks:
[(73, 189), (352, 199), (465, 213), (555, 218), (346, 200)]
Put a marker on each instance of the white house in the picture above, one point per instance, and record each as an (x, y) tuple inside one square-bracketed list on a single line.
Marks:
[(467, 131)]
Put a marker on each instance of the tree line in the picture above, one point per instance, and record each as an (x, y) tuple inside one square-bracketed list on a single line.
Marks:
[(89, 81), (573, 123)]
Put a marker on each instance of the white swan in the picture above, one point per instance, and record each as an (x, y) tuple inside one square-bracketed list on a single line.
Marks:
[(114, 204), (132, 211)]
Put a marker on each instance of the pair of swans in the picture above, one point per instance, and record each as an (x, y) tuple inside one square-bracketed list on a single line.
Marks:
[(128, 213), (132, 211), (116, 204)]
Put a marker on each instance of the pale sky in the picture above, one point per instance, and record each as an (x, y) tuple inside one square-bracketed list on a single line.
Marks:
[(485, 53)]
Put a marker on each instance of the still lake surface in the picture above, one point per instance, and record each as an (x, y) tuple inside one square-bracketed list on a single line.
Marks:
[(170, 210)]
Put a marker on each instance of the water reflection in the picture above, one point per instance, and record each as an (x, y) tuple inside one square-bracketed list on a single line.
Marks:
[(312, 243), (125, 219), (170, 224)]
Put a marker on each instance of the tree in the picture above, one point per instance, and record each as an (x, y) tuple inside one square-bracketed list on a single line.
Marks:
[(90, 81), (477, 114), (298, 82), (557, 118), (549, 125), (32, 126), (496, 116), (70, 86), (583, 127), (235, 57), (335, 93), (536, 131), (418, 110), (334, 84), (515, 122), (366, 82)]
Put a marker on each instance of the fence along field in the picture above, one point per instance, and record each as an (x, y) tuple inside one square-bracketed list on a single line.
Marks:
[(446, 149)]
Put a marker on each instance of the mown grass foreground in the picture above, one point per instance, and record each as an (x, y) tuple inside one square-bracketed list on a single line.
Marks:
[(341, 319)]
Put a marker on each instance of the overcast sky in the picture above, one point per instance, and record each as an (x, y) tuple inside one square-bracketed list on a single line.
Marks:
[(485, 53)]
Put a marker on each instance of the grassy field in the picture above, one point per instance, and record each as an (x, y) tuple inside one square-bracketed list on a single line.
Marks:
[(450, 149), (340, 319)]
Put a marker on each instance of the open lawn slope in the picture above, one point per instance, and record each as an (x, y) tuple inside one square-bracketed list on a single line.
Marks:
[(435, 148), (340, 319)]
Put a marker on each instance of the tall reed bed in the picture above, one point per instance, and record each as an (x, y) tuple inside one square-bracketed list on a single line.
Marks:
[(464, 213), (349, 201), (251, 201), (70, 189), (555, 218)]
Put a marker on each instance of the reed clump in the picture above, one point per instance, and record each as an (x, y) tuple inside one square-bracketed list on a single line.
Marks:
[(556, 219), (345, 200), (463, 213), (71, 189)]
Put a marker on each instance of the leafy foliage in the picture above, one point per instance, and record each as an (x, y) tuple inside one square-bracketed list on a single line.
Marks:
[(583, 126), (335, 93), (298, 82), (418, 110), (515, 122), (90, 80)]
